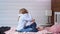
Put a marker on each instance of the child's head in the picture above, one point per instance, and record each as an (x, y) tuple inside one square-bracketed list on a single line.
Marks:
[(23, 11)]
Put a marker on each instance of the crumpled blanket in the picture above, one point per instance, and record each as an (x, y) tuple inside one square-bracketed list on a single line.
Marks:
[(3, 29), (55, 29), (12, 31)]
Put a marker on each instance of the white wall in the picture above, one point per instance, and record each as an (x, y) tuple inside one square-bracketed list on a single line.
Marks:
[(9, 10)]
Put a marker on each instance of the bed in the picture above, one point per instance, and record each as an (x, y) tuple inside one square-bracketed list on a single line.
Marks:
[(55, 29), (12, 31)]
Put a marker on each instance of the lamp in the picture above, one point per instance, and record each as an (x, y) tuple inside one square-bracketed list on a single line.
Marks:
[(48, 14)]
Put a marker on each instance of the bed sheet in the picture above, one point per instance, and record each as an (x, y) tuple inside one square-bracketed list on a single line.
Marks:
[(12, 31)]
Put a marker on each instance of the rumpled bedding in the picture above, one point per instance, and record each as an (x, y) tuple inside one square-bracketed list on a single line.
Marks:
[(12, 31), (55, 29)]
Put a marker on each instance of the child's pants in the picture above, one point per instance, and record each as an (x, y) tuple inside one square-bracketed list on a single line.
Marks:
[(31, 28)]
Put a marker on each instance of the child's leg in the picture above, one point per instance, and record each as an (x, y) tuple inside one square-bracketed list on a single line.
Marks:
[(25, 30), (33, 26)]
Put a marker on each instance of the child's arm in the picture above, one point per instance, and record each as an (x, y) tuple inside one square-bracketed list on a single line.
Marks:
[(19, 16), (29, 18)]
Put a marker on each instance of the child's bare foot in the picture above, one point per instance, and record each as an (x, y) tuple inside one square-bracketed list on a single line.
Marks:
[(40, 28)]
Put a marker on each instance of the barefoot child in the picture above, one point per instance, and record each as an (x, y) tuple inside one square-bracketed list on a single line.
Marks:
[(25, 22)]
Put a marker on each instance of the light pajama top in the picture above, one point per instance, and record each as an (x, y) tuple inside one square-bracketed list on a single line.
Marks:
[(24, 20)]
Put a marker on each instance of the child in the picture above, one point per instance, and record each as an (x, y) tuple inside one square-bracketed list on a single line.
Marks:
[(25, 22)]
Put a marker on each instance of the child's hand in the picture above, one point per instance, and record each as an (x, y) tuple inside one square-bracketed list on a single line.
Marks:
[(33, 20)]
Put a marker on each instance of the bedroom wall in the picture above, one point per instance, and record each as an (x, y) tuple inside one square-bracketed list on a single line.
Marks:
[(9, 10)]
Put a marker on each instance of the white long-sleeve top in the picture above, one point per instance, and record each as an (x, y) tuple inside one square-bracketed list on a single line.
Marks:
[(24, 20)]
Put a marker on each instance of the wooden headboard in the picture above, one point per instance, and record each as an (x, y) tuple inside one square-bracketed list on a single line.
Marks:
[(55, 6)]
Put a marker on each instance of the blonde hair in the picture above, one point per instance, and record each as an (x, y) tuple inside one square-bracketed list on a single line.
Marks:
[(23, 11)]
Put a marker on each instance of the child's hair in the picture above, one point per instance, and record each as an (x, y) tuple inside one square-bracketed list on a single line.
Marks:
[(23, 11)]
